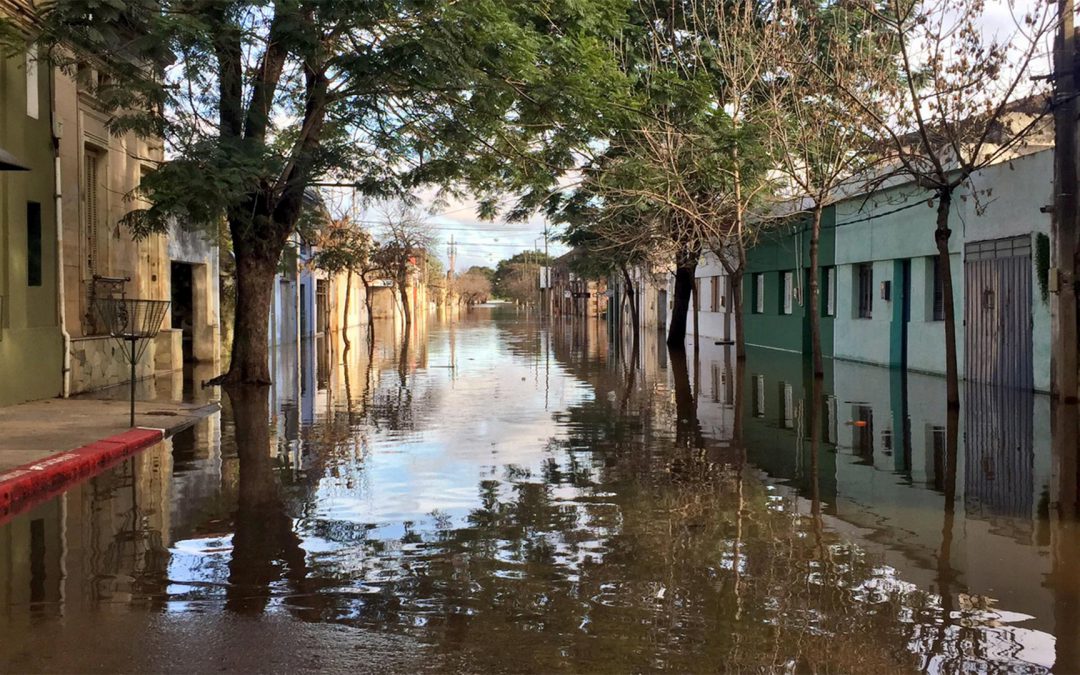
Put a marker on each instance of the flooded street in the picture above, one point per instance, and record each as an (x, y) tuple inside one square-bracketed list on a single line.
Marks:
[(499, 493)]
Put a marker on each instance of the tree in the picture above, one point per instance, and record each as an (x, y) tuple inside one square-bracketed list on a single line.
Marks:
[(406, 241), (963, 101), (670, 181), (517, 278), (820, 144), (473, 287), (604, 257), (257, 100), (342, 247), (738, 45)]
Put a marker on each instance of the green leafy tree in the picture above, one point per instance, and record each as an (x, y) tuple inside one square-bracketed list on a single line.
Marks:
[(517, 278), (257, 100)]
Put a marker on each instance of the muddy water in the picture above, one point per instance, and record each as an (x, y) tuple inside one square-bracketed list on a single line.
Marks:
[(497, 494)]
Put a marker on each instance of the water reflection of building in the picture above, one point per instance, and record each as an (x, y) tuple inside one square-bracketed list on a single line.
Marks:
[(884, 472), (107, 540)]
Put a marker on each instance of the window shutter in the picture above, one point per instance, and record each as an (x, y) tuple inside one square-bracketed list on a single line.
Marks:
[(92, 206)]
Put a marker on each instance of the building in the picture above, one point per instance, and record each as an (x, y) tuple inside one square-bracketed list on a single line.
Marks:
[(573, 294), (882, 300), (31, 342), (63, 248)]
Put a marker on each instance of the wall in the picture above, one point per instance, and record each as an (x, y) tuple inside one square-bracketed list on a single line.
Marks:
[(101, 362), (31, 348), (718, 325), (195, 248), (357, 315), (121, 162), (787, 249)]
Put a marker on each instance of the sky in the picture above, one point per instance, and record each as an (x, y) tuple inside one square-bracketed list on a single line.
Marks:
[(478, 242)]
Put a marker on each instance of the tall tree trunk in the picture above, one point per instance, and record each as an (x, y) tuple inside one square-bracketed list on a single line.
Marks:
[(403, 291), (684, 290), (345, 310), (736, 277), (815, 294), (632, 300), (816, 405), (941, 237), (367, 306), (250, 363)]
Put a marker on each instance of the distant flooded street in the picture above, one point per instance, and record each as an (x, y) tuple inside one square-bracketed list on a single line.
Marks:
[(501, 493)]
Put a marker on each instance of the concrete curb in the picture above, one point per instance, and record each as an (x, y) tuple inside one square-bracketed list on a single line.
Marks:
[(29, 484)]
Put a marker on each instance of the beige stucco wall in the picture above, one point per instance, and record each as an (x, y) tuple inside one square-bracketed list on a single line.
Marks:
[(122, 160), (31, 349)]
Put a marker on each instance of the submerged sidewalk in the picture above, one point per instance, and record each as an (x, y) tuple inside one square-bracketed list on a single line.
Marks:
[(46, 445)]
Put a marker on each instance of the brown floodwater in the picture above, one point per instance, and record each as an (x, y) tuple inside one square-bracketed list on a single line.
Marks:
[(496, 493)]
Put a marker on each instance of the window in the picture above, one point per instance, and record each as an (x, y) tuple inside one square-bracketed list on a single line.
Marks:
[(937, 307), (759, 293), (786, 291), (864, 289), (829, 291), (91, 210), (697, 295), (787, 406), (759, 396), (715, 291), (33, 244), (32, 102)]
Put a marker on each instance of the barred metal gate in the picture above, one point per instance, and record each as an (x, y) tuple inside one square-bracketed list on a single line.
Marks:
[(997, 282)]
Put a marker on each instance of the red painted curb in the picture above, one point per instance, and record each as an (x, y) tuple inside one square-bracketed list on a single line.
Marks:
[(30, 484)]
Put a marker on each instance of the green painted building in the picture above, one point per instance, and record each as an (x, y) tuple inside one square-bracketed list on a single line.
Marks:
[(31, 347), (776, 287)]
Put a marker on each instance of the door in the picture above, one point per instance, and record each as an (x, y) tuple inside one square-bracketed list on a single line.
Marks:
[(997, 336), (661, 309)]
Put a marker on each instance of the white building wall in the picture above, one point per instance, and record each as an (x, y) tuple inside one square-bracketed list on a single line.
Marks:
[(713, 325), (898, 223)]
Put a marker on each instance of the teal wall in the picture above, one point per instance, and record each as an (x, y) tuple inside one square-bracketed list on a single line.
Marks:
[(787, 249)]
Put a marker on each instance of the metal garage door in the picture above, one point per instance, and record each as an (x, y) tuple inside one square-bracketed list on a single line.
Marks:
[(997, 283)]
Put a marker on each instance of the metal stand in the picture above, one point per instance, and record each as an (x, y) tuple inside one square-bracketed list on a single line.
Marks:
[(134, 360), (130, 320)]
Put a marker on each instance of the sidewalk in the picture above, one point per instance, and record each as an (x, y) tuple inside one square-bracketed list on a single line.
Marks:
[(46, 445)]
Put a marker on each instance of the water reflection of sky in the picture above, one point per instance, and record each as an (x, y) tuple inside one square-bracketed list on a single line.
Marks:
[(492, 410)]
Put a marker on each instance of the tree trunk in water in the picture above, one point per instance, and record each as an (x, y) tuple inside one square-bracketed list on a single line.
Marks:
[(249, 363), (740, 323), (816, 405), (632, 299), (345, 310), (941, 236), (403, 291), (815, 298), (684, 290), (367, 305)]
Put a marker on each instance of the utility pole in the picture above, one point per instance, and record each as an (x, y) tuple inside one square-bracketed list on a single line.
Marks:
[(545, 293), (1065, 255), (452, 252)]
